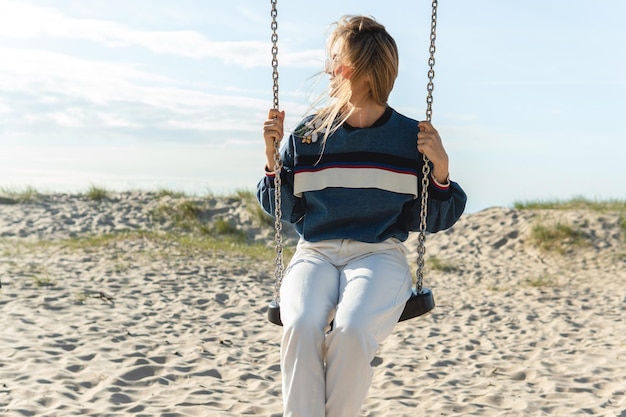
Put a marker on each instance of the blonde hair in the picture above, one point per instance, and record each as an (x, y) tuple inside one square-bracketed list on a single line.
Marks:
[(369, 50)]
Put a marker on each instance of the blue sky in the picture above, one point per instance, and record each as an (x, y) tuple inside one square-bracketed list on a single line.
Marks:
[(147, 94)]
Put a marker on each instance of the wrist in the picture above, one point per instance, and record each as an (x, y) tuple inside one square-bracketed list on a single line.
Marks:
[(441, 181)]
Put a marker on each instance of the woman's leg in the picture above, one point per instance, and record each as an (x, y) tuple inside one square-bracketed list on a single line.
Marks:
[(374, 288), (308, 296)]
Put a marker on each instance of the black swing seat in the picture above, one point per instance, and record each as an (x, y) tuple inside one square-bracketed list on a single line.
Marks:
[(418, 304)]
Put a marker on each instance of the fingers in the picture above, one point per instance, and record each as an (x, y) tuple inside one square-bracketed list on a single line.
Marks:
[(273, 129), (429, 143), (276, 114), (426, 127), (428, 138)]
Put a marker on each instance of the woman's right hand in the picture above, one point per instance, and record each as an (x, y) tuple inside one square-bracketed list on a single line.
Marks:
[(273, 131)]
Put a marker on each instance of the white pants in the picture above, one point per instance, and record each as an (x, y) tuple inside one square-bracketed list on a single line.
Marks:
[(363, 287)]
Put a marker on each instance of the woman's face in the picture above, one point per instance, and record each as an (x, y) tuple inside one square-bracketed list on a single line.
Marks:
[(333, 59), (338, 70)]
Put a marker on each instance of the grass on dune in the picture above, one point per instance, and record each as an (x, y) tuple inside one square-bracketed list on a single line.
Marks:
[(576, 203), (195, 228), (166, 244), (192, 227), (560, 237), (96, 193), (18, 196)]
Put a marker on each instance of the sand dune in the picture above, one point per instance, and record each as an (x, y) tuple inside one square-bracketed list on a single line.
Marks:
[(142, 324)]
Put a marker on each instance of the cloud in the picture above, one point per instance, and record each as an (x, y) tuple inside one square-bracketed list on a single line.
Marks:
[(4, 108), (56, 89), (86, 80), (97, 81), (23, 21)]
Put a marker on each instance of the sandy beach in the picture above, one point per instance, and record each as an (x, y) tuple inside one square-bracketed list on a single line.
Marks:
[(108, 310)]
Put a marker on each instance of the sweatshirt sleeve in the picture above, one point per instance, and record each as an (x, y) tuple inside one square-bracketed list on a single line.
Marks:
[(445, 206), (292, 208)]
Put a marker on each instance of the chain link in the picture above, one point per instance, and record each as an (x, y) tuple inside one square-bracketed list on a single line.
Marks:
[(421, 242), (278, 226)]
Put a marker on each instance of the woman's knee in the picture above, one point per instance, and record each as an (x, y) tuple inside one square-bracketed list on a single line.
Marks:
[(304, 324), (354, 335)]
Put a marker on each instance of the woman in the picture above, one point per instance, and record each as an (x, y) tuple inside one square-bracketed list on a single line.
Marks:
[(350, 180)]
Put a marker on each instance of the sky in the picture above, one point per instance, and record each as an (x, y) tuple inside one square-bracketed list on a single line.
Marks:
[(148, 94)]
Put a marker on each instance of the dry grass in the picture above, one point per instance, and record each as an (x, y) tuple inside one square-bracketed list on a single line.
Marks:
[(559, 237), (577, 203)]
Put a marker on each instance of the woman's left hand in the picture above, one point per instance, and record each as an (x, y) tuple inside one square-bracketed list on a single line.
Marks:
[(429, 143)]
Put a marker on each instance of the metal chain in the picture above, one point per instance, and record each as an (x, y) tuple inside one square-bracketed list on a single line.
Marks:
[(279, 264), (275, 53), (431, 62), (421, 243)]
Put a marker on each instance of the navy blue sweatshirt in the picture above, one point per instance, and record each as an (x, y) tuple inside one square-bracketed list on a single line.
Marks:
[(364, 184)]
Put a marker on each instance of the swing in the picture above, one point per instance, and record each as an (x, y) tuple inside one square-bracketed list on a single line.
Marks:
[(421, 300)]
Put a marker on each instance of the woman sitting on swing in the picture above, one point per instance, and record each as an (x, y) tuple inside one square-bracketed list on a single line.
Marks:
[(350, 185)]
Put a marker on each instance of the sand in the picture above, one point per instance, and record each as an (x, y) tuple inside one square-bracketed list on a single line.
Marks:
[(144, 325)]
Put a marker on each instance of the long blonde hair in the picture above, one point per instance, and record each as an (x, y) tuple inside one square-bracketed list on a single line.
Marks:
[(366, 46)]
